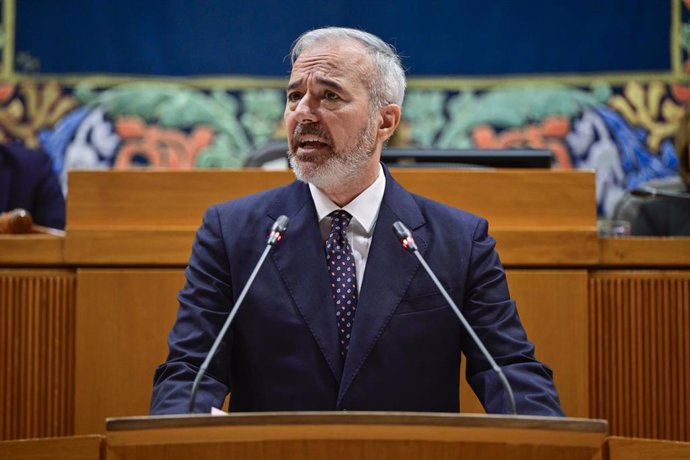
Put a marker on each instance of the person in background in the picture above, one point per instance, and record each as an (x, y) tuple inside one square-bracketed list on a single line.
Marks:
[(663, 216), (27, 181), (341, 317)]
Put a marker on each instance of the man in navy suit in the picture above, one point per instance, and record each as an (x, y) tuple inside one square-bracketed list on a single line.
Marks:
[(27, 181), (309, 336)]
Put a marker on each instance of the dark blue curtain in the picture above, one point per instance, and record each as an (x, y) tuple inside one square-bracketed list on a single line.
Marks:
[(451, 37)]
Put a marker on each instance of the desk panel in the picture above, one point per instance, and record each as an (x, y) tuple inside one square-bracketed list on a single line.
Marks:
[(37, 353), (640, 352), (123, 320), (553, 308)]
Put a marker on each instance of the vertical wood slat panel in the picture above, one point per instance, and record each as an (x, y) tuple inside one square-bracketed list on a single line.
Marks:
[(640, 352), (37, 314)]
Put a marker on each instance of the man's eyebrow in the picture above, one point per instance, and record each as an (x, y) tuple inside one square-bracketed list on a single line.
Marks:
[(321, 80), (330, 83), (294, 84)]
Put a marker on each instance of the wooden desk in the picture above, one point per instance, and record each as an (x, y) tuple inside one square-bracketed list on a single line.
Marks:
[(639, 329), (644, 252), (354, 436), (89, 447), (31, 250), (130, 218)]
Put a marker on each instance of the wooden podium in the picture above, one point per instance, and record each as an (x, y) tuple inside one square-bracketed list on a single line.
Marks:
[(353, 436)]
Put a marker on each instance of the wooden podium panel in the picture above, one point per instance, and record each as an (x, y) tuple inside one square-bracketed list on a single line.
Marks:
[(640, 352), (124, 316), (354, 436), (67, 448), (644, 252), (36, 352), (508, 198), (619, 448), (149, 217), (546, 199), (31, 250), (553, 308), (547, 300)]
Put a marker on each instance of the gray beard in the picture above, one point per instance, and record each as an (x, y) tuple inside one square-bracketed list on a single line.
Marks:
[(340, 167)]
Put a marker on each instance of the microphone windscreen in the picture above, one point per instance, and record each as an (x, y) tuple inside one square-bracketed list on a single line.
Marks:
[(281, 223), (400, 230)]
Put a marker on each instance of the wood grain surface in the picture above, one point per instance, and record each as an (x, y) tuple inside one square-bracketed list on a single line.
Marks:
[(37, 353)]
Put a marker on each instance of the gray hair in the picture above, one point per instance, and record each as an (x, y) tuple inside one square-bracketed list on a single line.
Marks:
[(388, 84)]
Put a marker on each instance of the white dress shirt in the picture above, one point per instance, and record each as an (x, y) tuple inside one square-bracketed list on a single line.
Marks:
[(364, 210)]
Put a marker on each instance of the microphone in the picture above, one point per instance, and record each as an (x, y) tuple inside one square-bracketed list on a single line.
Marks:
[(408, 243), (651, 192), (277, 230), (276, 234)]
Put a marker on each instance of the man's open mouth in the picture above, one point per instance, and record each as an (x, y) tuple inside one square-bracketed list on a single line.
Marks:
[(312, 144)]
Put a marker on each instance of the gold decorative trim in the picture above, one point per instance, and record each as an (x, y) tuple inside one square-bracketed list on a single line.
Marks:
[(419, 83), (9, 21), (676, 49)]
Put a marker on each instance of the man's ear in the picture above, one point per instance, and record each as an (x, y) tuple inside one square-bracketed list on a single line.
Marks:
[(389, 119)]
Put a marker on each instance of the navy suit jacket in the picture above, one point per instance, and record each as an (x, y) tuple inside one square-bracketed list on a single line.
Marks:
[(663, 217), (281, 353), (27, 181)]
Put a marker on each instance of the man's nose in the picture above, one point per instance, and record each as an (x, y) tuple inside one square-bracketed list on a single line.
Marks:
[(307, 109)]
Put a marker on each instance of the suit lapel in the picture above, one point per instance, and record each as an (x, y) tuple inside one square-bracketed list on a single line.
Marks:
[(388, 274), (301, 262)]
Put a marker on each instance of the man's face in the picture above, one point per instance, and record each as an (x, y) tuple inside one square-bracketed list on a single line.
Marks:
[(332, 133)]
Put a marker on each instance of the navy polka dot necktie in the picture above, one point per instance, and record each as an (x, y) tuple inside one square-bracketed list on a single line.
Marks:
[(341, 270)]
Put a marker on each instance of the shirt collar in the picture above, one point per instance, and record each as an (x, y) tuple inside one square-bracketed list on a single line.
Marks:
[(364, 208)]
